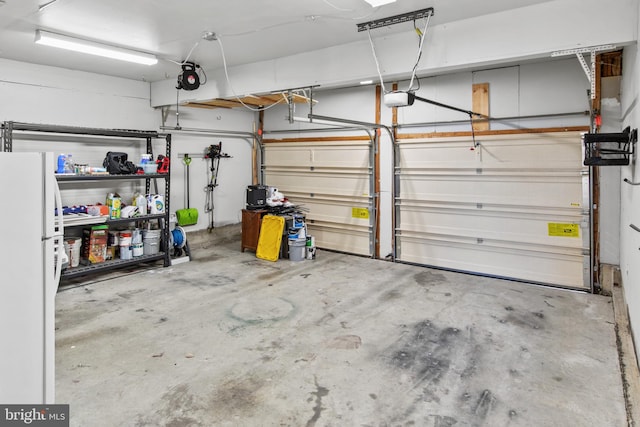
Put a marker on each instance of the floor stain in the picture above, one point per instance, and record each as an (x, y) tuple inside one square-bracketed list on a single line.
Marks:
[(317, 409), (391, 295), (129, 294), (257, 311), (443, 421), (484, 405), (345, 342), (426, 278), (531, 320), (428, 352), (236, 397), (178, 408), (216, 281)]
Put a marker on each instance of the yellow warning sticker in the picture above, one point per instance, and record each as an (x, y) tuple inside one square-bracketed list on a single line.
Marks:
[(564, 230), (362, 213)]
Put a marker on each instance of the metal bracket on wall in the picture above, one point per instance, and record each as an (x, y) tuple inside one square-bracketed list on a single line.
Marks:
[(590, 72), (396, 19)]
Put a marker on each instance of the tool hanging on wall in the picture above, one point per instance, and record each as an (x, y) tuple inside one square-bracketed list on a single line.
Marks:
[(189, 215), (214, 154)]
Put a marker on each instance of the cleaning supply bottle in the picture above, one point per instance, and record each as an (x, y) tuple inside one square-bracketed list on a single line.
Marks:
[(69, 166), (62, 162)]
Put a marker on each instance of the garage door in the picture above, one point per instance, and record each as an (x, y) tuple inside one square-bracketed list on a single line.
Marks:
[(332, 181), (516, 206)]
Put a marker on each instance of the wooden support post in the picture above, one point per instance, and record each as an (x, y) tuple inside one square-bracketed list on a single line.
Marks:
[(480, 104)]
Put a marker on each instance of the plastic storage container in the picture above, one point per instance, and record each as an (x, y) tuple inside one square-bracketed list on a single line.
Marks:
[(297, 249)]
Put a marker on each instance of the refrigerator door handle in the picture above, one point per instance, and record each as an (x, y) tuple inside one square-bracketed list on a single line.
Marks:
[(58, 236)]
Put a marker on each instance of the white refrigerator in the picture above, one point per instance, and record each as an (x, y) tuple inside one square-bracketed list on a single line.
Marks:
[(31, 234)]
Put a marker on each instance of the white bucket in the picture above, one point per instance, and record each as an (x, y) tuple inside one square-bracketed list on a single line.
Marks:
[(126, 250), (137, 249), (72, 249), (297, 249), (151, 241)]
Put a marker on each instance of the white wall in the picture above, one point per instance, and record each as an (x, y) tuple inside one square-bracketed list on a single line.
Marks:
[(48, 95), (234, 174), (630, 195), (39, 94)]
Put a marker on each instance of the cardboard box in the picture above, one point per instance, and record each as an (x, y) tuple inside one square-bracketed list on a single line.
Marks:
[(98, 210), (94, 244)]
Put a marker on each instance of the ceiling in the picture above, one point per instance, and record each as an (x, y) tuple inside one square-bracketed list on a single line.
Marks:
[(250, 30)]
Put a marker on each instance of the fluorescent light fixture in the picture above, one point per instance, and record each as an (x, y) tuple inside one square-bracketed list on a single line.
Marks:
[(376, 3), (366, 82), (70, 43)]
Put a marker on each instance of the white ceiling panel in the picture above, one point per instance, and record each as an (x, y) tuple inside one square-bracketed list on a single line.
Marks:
[(251, 30)]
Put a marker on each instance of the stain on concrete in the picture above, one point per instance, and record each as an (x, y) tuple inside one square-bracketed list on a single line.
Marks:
[(129, 294), (269, 277), (390, 295), (317, 409), (430, 395), (427, 353), (345, 342), (529, 320), (325, 319), (427, 278), (443, 421), (373, 396), (177, 408), (92, 335), (216, 281), (236, 397), (484, 405), (256, 311)]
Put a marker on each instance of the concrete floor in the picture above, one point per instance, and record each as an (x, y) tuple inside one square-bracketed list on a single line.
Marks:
[(232, 340)]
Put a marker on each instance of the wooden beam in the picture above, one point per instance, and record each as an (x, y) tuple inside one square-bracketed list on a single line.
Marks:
[(318, 139), (493, 132), (480, 104)]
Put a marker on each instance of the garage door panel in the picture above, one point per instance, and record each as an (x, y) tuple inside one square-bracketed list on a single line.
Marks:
[(315, 183), (337, 155), (331, 211), (539, 266), (353, 239), (332, 182), (548, 191), (491, 225), (552, 151), (515, 206)]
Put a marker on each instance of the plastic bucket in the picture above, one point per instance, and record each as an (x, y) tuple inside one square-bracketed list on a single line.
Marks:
[(297, 249), (126, 250), (137, 249), (151, 241), (72, 249)]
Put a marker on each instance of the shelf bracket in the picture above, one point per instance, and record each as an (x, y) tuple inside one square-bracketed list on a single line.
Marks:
[(590, 72)]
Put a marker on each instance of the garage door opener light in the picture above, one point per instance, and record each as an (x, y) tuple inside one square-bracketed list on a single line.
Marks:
[(84, 46)]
